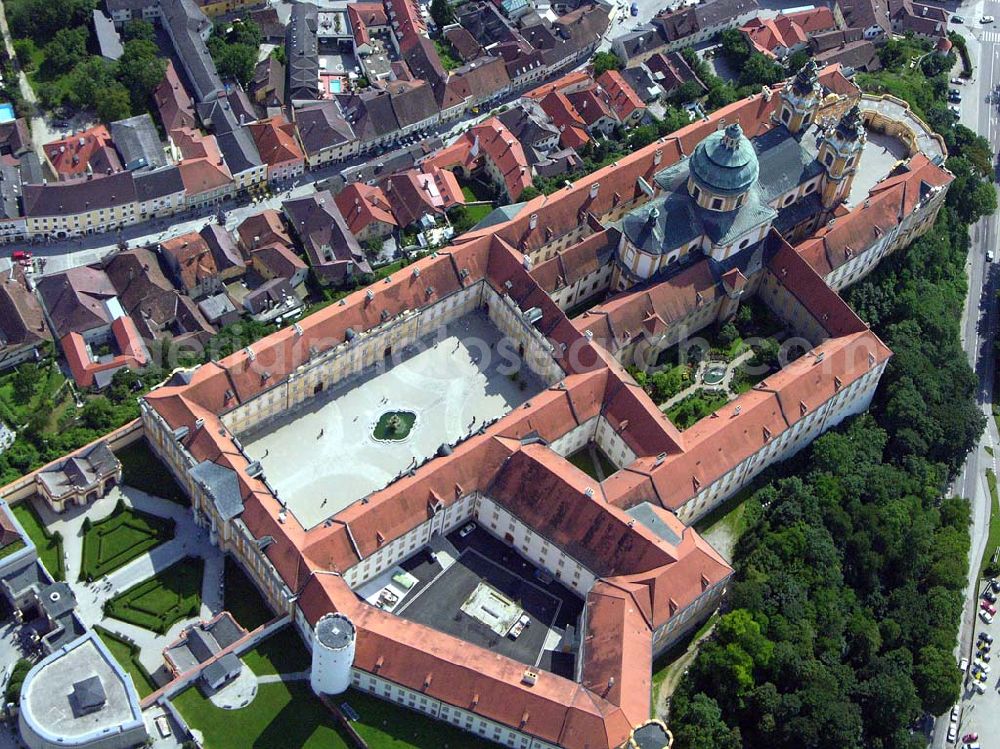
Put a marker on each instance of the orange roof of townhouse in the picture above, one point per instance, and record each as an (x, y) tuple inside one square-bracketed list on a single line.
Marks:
[(275, 140), (86, 152), (498, 144), (578, 78), (173, 102), (192, 257), (572, 133), (363, 15), (787, 30), (589, 105), (621, 96), (263, 228), (361, 204), (131, 352)]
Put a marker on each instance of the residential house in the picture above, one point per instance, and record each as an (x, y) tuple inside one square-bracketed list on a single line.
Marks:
[(87, 152), (268, 85), (302, 54), (108, 40), (279, 261), (24, 336), (80, 206), (670, 71), (366, 210), (138, 143), (324, 133), (626, 105), (159, 193), (272, 300), (787, 33), (683, 26), (158, 310), (81, 299), (235, 140), (173, 103), (206, 176), (229, 260), (371, 117), (333, 251), (532, 128), (190, 262), (262, 229), (278, 148), (422, 197)]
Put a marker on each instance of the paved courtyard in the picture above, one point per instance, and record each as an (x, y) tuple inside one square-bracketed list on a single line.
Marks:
[(323, 456), (879, 156)]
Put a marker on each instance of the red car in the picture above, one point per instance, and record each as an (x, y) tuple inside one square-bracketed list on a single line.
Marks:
[(20, 255), (988, 607), (970, 737)]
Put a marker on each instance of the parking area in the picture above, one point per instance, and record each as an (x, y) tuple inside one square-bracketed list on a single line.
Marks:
[(978, 714)]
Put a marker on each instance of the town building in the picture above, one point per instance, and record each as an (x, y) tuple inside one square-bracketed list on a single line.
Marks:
[(80, 479)]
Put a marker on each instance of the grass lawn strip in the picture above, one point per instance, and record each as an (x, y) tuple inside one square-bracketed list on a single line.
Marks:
[(120, 538), (695, 407), (49, 545), (127, 656), (243, 600), (281, 715), (281, 653), (287, 714), (993, 540), (156, 604)]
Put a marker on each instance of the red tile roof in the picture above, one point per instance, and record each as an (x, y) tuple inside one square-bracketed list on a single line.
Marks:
[(621, 96), (276, 142), (361, 204)]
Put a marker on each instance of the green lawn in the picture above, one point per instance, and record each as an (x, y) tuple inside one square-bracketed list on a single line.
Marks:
[(120, 538), (286, 714), (993, 540), (584, 460), (127, 656), (477, 213), (281, 653), (695, 407), (49, 545), (281, 715), (243, 600), (144, 471), (172, 595), (12, 547)]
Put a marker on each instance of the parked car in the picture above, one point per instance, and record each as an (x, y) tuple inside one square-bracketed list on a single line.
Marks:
[(989, 595), (986, 19), (957, 82), (964, 665), (957, 19), (956, 713), (952, 733), (466, 530), (969, 737), (634, 10), (989, 256), (986, 605), (986, 637), (983, 666), (20, 255), (987, 618)]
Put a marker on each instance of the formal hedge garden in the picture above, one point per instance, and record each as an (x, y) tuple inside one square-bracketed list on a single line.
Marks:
[(161, 601), (120, 538)]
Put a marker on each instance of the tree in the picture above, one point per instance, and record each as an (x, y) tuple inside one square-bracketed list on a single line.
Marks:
[(140, 70), (237, 61), (759, 70), (113, 103), (441, 13), (529, 193), (67, 48), (278, 53), (697, 724), (246, 31), (25, 382), (687, 91), (735, 45), (139, 28), (98, 414), (605, 61), (795, 62)]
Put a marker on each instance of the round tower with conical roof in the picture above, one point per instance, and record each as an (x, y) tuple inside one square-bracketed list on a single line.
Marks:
[(840, 150), (800, 98)]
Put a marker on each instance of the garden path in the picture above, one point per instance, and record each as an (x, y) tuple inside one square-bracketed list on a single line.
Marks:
[(698, 381)]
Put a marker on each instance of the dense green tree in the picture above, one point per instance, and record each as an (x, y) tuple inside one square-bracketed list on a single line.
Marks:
[(113, 103), (237, 62), (140, 70), (98, 414), (139, 28), (605, 61), (441, 13), (24, 382), (697, 724), (687, 91), (67, 48)]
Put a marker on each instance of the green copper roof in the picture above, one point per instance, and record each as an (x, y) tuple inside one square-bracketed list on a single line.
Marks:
[(725, 162)]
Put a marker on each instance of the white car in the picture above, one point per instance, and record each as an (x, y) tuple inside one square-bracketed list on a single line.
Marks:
[(466, 530), (984, 615), (964, 665), (984, 666), (952, 733), (956, 711), (989, 256), (986, 19)]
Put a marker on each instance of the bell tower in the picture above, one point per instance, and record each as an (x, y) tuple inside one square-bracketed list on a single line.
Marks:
[(839, 153), (800, 98)]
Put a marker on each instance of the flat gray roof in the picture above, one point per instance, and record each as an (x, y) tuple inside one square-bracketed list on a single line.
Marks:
[(46, 703)]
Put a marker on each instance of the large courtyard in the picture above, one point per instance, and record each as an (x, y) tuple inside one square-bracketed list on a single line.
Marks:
[(324, 456)]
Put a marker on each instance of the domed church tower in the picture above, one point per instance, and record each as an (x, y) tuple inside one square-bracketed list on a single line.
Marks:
[(800, 98), (840, 152), (723, 169)]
